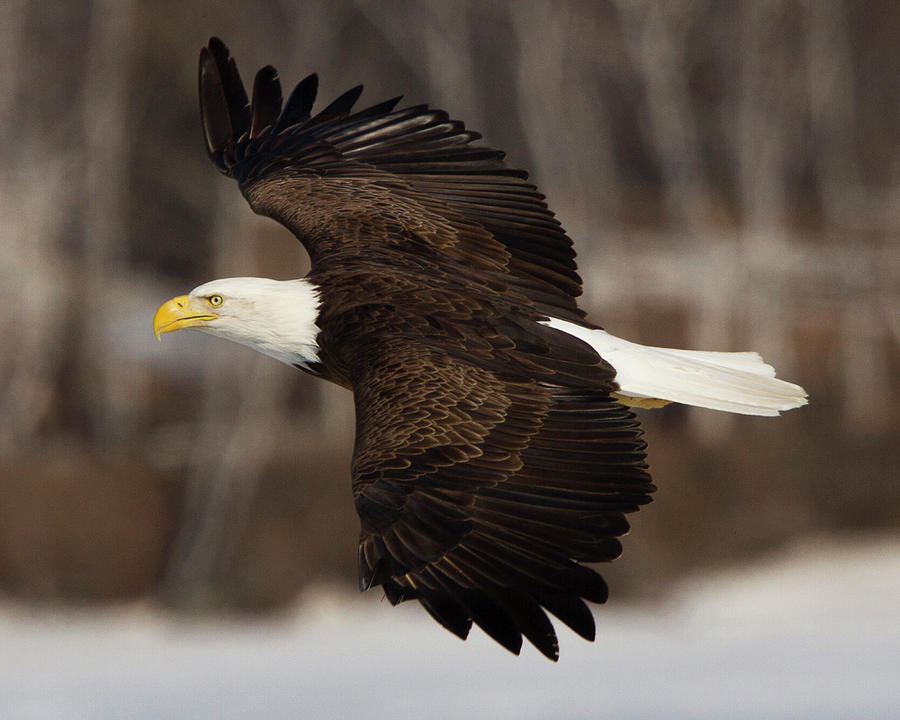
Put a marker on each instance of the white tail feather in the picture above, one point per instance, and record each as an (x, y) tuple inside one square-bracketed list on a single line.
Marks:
[(739, 382)]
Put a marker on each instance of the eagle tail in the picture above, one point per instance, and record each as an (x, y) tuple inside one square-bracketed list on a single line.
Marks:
[(737, 382)]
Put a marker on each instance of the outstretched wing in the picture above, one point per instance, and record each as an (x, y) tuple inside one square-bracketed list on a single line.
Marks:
[(406, 179), (482, 492)]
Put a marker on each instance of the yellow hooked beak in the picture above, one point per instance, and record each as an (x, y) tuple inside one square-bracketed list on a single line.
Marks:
[(179, 313)]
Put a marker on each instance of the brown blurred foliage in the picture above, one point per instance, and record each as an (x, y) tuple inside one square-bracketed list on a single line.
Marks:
[(729, 171)]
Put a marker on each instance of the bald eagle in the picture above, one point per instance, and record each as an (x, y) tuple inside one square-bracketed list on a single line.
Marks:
[(495, 450)]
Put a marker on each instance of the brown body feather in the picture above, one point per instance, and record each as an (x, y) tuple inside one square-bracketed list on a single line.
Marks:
[(490, 458)]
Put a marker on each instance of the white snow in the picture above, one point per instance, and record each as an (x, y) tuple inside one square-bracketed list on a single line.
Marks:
[(813, 634)]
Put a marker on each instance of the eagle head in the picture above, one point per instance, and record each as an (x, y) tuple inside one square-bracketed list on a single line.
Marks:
[(275, 317)]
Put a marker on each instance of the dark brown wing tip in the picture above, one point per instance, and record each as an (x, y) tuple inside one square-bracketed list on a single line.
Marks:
[(341, 106), (548, 646), (217, 47), (266, 105), (224, 108), (382, 108), (299, 104), (213, 107)]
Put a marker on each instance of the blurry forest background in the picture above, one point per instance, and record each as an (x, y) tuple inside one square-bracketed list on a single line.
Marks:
[(729, 172)]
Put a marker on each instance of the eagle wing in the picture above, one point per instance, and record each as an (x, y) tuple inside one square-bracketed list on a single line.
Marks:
[(408, 179), (482, 493)]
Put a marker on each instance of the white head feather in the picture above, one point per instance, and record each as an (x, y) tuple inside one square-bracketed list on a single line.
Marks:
[(275, 317)]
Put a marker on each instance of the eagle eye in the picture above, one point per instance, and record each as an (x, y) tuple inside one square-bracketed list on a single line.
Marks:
[(215, 300)]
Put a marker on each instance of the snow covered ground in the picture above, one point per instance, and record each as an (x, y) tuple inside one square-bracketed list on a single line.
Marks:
[(815, 634)]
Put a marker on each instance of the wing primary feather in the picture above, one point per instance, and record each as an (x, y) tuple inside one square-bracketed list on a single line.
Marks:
[(232, 87), (266, 100), (589, 585), (299, 104), (382, 108), (570, 610), (340, 107), (214, 112), (531, 620), (491, 617), (449, 612)]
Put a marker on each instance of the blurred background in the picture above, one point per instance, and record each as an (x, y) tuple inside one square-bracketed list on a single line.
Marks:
[(729, 172)]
